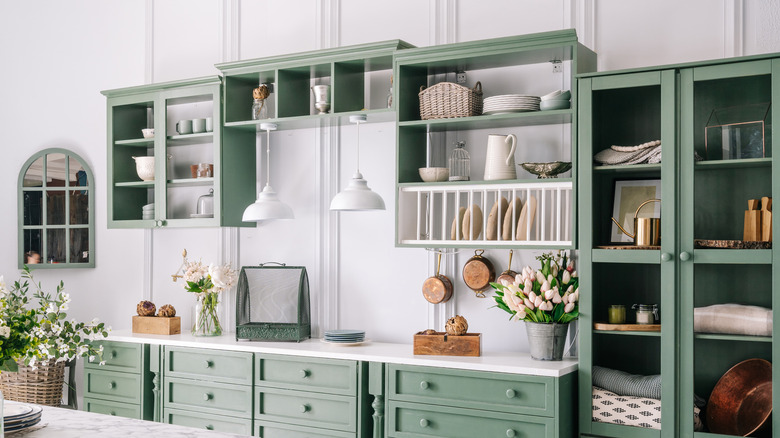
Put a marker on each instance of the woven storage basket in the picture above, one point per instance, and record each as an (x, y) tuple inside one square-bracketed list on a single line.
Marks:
[(41, 386), (446, 100)]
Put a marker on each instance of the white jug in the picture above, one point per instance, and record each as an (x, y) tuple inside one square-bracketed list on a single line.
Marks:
[(500, 158)]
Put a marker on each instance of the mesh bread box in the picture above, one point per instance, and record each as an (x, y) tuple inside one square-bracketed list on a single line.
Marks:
[(272, 303)]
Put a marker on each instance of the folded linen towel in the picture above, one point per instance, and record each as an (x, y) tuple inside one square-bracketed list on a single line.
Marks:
[(625, 384), (609, 407), (649, 144), (610, 156), (735, 319)]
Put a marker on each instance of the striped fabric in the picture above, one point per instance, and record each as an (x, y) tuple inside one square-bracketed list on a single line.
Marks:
[(734, 319), (625, 384)]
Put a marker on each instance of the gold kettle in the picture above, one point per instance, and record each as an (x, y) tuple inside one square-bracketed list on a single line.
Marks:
[(647, 230)]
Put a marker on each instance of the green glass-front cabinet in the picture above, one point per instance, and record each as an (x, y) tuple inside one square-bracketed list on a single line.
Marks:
[(703, 197), (174, 191)]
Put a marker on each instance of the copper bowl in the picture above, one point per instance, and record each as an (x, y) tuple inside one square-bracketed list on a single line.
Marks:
[(741, 401)]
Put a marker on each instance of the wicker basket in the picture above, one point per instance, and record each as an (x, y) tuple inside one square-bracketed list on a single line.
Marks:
[(446, 100), (41, 386)]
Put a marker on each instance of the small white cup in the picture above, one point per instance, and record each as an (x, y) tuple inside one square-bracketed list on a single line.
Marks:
[(184, 127), (198, 125), (209, 124)]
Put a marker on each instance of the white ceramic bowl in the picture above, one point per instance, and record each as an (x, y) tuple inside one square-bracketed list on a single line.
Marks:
[(148, 132), (548, 105), (434, 174), (145, 168), (557, 95)]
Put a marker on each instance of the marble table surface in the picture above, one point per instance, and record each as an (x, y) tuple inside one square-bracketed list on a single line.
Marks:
[(67, 423)]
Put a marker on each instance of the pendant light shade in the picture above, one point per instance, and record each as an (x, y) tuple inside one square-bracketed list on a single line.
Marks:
[(268, 206), (357, 195)]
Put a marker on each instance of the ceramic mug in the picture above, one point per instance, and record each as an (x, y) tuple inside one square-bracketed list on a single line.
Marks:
[(198, 125), (209, 124), (184, 127)]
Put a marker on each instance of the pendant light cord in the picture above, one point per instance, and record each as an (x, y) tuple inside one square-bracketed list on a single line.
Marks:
[(358, 147), (267, 157)]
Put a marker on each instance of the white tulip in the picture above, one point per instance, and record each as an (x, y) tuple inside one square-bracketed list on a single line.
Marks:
[(569, 307), (555, 270), (545, 287), (566, 277), (548, 295), (538, 302), (540, 277), (529, 304), (557, 298)]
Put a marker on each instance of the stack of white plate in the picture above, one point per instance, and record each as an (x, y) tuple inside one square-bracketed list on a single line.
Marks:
[(147, 212), (344, 336), (18, 416), (510, 103)]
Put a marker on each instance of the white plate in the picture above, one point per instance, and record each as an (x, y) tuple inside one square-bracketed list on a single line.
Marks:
[(15, 410), (490, 113), (194, 215), (345, 343)]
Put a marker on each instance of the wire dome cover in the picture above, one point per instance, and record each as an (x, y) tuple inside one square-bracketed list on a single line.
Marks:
[(273, 303)]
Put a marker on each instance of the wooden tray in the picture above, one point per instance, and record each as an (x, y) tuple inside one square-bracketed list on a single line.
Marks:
[(731, 244), (627, 247), (627, 327), (442, 344), (157, 325)]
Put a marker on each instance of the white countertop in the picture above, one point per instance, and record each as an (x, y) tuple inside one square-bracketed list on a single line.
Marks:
[(516, 363), (67, 423)]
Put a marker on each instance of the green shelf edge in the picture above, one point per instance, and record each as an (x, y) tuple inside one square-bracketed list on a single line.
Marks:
[(732, 256), (733, 164), (646, 256), (531, 118), (138, 184), (189, 139), (453, 185), (312, 121), (622, 431), (732, 338), (627, 333), (141, 142)]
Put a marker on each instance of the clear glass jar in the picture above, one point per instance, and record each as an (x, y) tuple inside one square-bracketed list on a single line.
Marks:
[(646, 313), (205, 317), (390, 94), (617, 314), (460, 163), (259, 109)]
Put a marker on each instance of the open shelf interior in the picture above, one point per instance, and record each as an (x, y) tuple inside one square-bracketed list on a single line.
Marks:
[(609, 279), (626, 116), (130, 119)]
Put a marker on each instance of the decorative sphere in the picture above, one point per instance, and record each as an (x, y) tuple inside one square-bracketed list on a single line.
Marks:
[(145, 308), (166, 311), (456, 326)]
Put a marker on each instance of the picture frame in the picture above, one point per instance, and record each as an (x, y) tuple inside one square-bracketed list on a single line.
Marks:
[(630, 194)]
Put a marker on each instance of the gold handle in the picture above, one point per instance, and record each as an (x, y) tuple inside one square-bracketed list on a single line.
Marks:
[(642, 205), (438, 265)]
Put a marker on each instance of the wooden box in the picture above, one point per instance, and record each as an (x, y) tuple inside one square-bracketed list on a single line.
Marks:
[(157, 325), (442, 344)]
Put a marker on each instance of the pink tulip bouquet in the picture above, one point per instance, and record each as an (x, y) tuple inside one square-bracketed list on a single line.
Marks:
[(548, 295)]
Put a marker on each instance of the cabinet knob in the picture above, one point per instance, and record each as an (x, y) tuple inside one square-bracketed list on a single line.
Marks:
[(510, 393), (685, 256), (207, 396), (111, 385), (209, 427), (304, 373), (665, 256), (305, 408), (424, 385), (208, 363), (113, 354), (424, 423), (159, 223), (510, 433), (112, 413)]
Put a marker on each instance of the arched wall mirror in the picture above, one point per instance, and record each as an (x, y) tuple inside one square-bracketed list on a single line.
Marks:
[(56, 211)]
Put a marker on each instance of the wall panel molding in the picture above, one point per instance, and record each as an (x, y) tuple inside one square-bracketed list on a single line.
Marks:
[(230, 30), (443, 28), (733, 28), (149, 42), (581, 15)]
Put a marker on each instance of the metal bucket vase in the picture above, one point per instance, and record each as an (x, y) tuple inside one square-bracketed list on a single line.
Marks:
[(546, 340)]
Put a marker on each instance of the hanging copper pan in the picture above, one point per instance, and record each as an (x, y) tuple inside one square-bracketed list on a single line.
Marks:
[(478, 273), (508, 275), (437, 289)]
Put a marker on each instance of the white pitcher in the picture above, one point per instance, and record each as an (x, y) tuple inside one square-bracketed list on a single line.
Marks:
[(500, 158)]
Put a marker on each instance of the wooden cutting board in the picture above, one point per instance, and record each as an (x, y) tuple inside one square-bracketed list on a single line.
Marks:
[(627, 327)]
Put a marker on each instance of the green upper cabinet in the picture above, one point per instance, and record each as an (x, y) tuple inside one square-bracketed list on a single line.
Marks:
[(358, 80), (179, 176), (431, 214)]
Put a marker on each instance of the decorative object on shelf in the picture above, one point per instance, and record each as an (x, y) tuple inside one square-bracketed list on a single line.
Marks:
[(547, 170), (730, 244), (500, 157), (447, 100), (741, 401), (646, 313), (535, 297), (166, 311), (510, 103), (390, 94), (628, 247), (617, 314), (758, 222), (642, 412), (148, 132), (259, 107), (268, 206), (526, 220), (272, 303), (144, 166), (478, 273), (456, 326), (647, 230), (206, 282), (145, 308), (344, 337), (629, 195), (38, 340), (202, 170), (645, 153), (357, 195), (737, 132), (556, 100), (733, 319), (434, 174), (508, 275), (184, 127), (605, 326), (472, 223), (497, 211), (205, 205), (156, 325), (626, 384), (198, 126), (433, 343), (147, 212), (438, 288), (321, 98), (460, 163)]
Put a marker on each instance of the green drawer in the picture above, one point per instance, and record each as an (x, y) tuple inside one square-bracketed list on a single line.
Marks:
[(119, 356), (511, 393), (335, 412), (112, 386), (198, 420), (267, 429), (416, 420), (112, 408), (201, 396), (330, 376), (211, 365)]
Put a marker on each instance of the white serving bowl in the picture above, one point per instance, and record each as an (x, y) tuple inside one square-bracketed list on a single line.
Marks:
[(145, 168), (557, 95), (148, 132), (434, 174), (547, 105)]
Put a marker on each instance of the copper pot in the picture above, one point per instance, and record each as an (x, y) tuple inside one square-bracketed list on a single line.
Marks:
[(478, 273), (508, 275), (437, 289), (741, 401)]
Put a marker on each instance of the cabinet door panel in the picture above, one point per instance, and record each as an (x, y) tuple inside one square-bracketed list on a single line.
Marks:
[(199, 420), (113, 386), (119, 356), (267, 429), (212, 365), (126, 410), (306, 409), (208, 397), (308, 374)]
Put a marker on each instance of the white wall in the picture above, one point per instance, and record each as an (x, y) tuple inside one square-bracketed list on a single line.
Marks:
[(58, 55)]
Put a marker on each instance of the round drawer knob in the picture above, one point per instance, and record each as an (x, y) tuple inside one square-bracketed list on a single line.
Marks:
[(113, 354), (424, 423), (510, 393), (424, 385), (666, 256), (208, 363), (304, 373), (209, 427), (305, 408), (112, 413), (511, 433), (111, 385), (685, 256), (159, 223), (207, 396)]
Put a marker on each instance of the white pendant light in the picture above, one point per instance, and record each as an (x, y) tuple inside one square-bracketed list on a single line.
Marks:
[(357, 195), (268, 206)]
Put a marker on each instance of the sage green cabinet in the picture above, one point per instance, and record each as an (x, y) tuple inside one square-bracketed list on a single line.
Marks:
[(174, 191), (703, 197)]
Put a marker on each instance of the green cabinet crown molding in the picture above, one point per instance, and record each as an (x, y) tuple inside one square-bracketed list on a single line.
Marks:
[(160, 86)]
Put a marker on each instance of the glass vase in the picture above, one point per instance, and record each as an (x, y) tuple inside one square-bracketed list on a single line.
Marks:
[(205, 318)]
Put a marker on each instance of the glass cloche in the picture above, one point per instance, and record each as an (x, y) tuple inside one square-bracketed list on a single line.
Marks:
[(460, 163)]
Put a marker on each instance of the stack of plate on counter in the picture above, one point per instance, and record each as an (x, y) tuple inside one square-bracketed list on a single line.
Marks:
[(18, 416), (147, 212), (510, 103), (345, 337)]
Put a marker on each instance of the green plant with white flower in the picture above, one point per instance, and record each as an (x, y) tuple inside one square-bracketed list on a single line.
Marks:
[(547, 295), (207, 282), (37, 332)]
